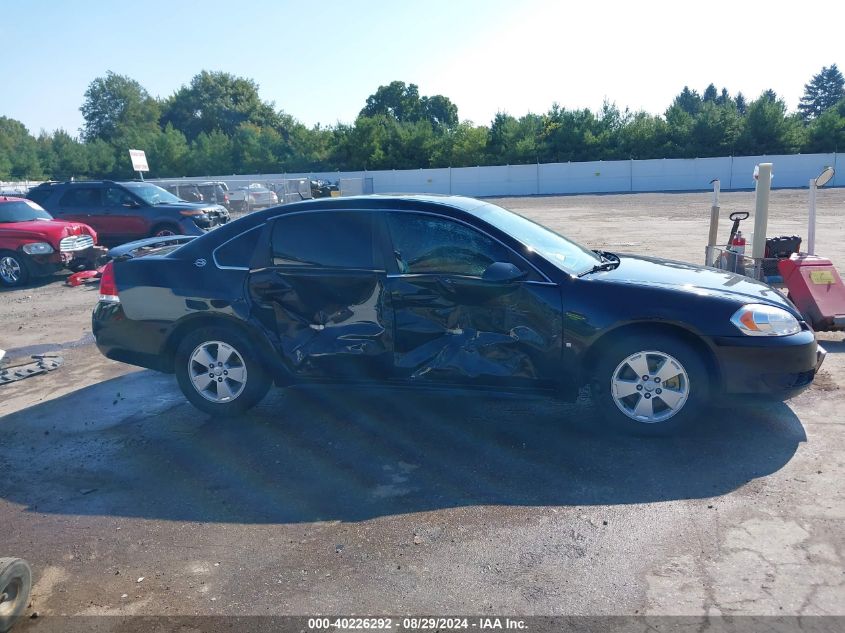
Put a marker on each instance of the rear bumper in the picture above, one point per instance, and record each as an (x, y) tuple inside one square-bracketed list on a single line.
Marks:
[(779, 366), (134, 342)]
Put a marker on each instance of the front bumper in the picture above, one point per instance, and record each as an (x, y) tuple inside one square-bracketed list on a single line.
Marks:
[(778, 366)]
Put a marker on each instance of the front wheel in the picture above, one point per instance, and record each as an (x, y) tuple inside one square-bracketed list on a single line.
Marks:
[(651, 385), (14, 270), (219, 371)]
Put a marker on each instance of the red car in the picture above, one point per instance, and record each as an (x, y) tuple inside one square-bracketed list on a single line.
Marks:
[(33, 243)]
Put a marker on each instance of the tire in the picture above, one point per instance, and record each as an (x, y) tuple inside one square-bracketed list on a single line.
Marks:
[(647, 407), (14, 269), (161, 230), (236, 386), (16, 583)]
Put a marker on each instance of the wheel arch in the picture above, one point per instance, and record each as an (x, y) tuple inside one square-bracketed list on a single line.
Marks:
[(190, 324), (594, 352)]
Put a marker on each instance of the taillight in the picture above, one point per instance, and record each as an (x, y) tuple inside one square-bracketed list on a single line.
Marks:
[(108, 285)]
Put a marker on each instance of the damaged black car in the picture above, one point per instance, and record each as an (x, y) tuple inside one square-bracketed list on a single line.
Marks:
[(443, 293)]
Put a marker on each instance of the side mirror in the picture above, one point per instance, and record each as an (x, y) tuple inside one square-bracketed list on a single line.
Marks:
[(503, 272)]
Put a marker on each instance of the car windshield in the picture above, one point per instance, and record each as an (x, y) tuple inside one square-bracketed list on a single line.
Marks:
[(22, 211), (151, 194), (567, 255)]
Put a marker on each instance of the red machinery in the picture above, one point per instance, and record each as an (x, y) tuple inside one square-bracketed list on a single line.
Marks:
[(814, 286), (816, 289)]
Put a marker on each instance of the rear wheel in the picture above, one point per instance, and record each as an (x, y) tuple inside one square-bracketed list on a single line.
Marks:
[(15, 586), (651, 384), (219, 371), (14, 270)]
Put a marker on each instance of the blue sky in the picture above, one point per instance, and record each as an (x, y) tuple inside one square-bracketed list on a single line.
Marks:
[(320, 64)]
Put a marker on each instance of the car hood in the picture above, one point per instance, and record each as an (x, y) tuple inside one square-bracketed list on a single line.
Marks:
[(698, 280), (48, 230)]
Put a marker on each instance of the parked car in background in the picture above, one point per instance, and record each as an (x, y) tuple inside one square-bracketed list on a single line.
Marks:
[(322, 188), (33, 243), (216, 192), (251, 197), (124, 211), (440, 292), (189, 192)]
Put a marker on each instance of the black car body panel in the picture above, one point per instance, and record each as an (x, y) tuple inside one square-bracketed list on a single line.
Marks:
[(380, 322)]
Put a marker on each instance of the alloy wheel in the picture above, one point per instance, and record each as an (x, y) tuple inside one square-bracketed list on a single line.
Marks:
[(10, 270), (650, 386), (217, 371)]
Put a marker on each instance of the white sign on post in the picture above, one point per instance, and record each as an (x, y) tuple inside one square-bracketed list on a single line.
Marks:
[(139, 160)]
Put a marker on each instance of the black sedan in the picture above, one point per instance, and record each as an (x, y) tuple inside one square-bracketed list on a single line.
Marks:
[(445, 292)]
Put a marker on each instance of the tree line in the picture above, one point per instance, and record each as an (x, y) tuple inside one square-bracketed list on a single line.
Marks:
[(218, 124)]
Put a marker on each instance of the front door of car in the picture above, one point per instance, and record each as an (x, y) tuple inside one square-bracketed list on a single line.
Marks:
[(322, 296), (468, 309), (123, 214)]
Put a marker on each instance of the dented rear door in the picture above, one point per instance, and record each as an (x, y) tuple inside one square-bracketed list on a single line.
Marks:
[(323, 296)]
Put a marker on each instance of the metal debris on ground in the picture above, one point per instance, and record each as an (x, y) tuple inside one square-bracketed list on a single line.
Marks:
[(40, 364)]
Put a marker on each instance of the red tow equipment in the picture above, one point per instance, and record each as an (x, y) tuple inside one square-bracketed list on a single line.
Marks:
[(816, 289)]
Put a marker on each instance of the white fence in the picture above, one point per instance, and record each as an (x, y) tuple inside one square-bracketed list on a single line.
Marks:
[(618, 176)]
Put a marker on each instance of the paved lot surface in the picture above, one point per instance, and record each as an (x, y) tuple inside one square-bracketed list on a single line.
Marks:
[(335, 500)]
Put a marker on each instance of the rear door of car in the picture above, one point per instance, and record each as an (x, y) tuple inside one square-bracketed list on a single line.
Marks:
[(81, 204), (323, 295), (453, 324)]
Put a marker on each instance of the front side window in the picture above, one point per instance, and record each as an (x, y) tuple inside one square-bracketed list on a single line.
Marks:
[(114, 197), (151, 194), (81, 198), (325, 239), (426, 244)]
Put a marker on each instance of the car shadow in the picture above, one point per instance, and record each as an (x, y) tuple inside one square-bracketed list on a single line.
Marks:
[(132, 447)]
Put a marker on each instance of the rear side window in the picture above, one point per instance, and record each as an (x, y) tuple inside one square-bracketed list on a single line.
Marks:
[(83, 198), (238, 251), (326, 239)]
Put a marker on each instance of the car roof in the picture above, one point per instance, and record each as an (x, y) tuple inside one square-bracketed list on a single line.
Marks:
[(396, 202)]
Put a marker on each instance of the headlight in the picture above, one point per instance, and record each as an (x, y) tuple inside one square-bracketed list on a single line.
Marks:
[(193, 212), (37, 248), (756, 319)]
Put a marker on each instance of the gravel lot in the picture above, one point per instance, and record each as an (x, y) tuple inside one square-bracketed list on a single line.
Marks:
[(340, 501)]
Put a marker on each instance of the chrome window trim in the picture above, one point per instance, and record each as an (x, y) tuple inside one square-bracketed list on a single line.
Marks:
[(545, 279)]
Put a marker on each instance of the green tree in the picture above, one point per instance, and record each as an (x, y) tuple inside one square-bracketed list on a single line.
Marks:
[(217, 101), (117, 107), (768, 129), (168, 154), (20, 151), (688, 100), (211, 154), (825, 90), (826, 132)]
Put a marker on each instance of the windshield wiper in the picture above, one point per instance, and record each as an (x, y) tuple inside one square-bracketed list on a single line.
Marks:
[(609, 262)]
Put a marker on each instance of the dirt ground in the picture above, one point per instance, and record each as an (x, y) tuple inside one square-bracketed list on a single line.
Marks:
[(337, 501)]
